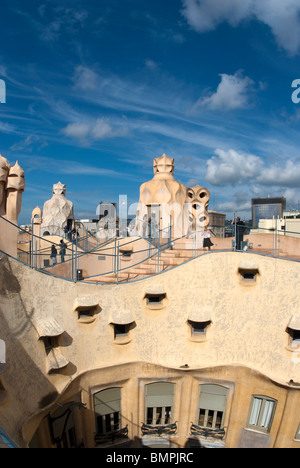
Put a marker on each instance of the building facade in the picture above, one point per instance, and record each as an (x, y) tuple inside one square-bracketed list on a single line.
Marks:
[(267, 208), (180, 359), (205, 353)]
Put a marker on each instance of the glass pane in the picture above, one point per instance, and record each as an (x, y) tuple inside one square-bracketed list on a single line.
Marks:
[(107, 423), (158, 415), (116, 421), (267, 414), (256, 405), (149, 415), (201, 417), (100, 424), (210, 418), (168, 415), (219, 418)]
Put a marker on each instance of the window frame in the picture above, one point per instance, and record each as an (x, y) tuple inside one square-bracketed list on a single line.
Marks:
[(165, 412), (206, 411), (261, 413), (199, 334), (294, 340), (151, 303), (108, 420)]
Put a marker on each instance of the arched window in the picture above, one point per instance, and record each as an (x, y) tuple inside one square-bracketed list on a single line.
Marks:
[(159, 403), (107, 404), (212, 405)]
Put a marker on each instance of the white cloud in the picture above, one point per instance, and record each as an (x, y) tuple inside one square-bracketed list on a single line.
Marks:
[(231, 167), (205, 15), (232, 93), (85, 78), (99, 129), (283, 17), (286, 176), (78, 130), (249, 171)]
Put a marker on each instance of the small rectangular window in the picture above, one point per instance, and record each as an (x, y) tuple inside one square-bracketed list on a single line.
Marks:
[(155, 301), (199, 327), (261, 413), (155, 298), (86, 314), (294, 338), (248, 275), (120, 330), (50, 342), (125, 253)]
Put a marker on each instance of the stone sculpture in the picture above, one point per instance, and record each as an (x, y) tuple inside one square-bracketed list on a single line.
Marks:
[(12, 186), (162, 199), (198, 199), (57, 212)]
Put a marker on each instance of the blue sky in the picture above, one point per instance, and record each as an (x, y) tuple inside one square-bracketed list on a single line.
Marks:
[(96, 89)]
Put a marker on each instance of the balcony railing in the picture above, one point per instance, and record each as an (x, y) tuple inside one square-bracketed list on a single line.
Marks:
[(207, 432), (112, 436), (166, 429)]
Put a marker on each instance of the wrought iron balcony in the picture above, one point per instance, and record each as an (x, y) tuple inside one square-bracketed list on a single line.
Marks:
[(166, 429), (207, 432)]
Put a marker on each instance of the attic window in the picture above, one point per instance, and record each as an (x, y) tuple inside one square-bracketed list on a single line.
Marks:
[(120, 330), (248, 273), (198, 330), (122, 322), (294, 338), (125, 253), (86, 314), (199, 320), (86, 308), (50, 342), (155, 301), (293, 331), (50, 333)]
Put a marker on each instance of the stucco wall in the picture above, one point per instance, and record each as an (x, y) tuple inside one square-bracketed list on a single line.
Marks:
[(248, 325)]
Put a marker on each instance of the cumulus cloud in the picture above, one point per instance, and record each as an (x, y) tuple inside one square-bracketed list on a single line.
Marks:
[(231, 167), (282, 17), (233, 92), (286, 176)]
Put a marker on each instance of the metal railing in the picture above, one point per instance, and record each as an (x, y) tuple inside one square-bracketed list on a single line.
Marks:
[(123, 259)]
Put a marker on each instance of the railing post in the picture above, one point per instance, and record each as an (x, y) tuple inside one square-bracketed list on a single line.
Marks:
[(32, 266), (72, 261), (235, 233), (118, 250), (276, 237), (115, 256), (158, 245), (195, 237), (76, 259)]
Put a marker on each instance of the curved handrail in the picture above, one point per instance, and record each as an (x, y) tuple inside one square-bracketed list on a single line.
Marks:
[(111, 248)]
